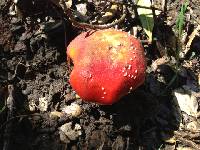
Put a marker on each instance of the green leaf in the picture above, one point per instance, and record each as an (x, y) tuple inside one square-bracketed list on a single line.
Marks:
[(146, 17), (181, 18)]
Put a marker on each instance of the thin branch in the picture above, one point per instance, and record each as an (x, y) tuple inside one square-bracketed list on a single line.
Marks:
[(189, 143), (68, 12)]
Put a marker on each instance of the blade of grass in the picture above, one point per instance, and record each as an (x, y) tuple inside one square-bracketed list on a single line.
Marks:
[(181, 18), (180, 22), (2, 109)]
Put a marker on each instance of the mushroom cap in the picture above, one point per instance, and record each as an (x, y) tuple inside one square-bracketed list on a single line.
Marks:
[(107, 65)]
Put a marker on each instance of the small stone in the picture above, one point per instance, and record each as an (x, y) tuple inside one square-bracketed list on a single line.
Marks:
[(67, 131), (73, 110), (31, 105)]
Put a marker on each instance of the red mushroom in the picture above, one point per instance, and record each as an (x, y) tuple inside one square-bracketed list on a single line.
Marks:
[(107, 65)]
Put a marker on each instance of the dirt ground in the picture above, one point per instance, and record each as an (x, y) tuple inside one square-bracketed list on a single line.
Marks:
[(34, 81)]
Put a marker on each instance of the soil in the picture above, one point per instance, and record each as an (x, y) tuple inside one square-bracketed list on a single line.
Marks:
[(33, 67)]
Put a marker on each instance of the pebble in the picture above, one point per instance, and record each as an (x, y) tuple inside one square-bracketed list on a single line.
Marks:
[(68, 132), (73, 110)]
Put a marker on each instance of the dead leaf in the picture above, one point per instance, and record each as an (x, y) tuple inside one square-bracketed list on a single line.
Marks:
[(187, 101), (146, 17)]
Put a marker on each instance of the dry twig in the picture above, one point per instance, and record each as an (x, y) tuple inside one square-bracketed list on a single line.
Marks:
[(90, 26), (164, 5), (182, 138), (191, 38)]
